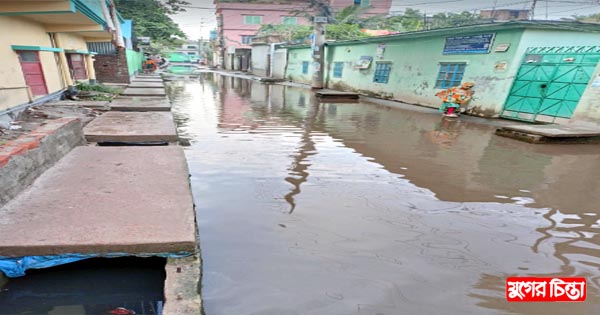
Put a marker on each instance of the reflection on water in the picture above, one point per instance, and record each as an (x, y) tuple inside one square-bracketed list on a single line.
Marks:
[(89, 287), (317, 208)]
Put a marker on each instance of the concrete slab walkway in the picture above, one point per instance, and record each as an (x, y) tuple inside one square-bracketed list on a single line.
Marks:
[(144, 92), (89, 104), (147, 80), (104, 200), (569, 133), (147, 75), (137, 84), (132, 127), (140, 104)]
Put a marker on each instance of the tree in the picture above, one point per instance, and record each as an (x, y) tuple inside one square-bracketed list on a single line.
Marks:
[(592, 18), (287, 33), (150, 18), (454, 19), (344, 31)]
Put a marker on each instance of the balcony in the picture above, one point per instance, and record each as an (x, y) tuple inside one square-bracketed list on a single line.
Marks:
[(82, 16)]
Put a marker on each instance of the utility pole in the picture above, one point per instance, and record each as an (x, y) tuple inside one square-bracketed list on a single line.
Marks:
[(318, 44), (318, 52), (533, 9)]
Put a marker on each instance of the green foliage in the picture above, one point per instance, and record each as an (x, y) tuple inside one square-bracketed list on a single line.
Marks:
[(344, 31), (441, 20), (150, 18), (81, 86), (288, 33), (592, 18)]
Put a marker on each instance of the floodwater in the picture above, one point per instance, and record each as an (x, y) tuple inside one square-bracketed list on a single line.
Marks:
[(89, 287), (308, 208)]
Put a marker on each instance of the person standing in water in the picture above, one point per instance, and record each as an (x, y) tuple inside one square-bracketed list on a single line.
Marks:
[(454, 97)]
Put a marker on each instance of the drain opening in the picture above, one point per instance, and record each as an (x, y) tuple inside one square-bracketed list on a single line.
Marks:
[(128, 285)]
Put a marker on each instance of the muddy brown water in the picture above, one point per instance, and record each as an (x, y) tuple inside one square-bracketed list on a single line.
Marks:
[(322, 208)]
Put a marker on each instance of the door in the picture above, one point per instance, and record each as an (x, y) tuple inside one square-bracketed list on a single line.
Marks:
[(33, 72), (550, 83), (77, 66)]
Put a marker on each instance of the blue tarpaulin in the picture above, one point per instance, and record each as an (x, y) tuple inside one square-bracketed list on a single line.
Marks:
[(14, 267)]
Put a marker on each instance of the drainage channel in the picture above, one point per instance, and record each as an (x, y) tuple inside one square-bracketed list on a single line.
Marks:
[(95, 286)]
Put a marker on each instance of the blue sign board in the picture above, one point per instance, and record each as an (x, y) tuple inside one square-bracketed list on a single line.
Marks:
[(472, 44)]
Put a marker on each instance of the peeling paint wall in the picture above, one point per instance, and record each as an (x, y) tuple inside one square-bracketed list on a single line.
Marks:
[(588, 109), (296, 56), (415, 65)]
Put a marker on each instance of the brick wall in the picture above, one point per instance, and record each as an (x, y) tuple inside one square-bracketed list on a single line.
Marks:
[(24, 159), (112, 68)]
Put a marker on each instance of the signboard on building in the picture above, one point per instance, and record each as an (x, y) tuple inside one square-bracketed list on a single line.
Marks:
[(364, 62), (472, 44)]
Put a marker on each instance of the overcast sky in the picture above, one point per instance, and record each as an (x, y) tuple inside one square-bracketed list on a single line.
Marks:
[(197, 22)]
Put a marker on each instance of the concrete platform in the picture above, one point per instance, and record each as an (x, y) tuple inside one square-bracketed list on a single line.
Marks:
[(138, 84), (104, 200), (147, 75), (88, 104), (149, 79), (140, 104), (144, 92), (551, 133), (132, 127), (336, 94)]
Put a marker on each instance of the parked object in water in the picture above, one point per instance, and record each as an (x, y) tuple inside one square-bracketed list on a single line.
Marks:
[(454, 97), (122, 311)]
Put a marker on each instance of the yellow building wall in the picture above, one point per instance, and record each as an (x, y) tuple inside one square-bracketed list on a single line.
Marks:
[(20, 31), (71, 41)]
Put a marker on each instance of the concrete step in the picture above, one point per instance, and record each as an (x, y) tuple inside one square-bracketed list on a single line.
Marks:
[(336, 94), (88, 104), (551, 133), (146, 85), (147, 80), (104, 200), (132, 128), (130, 91), (140, 104)]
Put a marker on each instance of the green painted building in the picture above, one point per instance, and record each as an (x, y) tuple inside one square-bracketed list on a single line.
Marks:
[(525, 70)]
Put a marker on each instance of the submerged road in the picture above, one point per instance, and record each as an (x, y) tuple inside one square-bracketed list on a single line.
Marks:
[(308, 208)]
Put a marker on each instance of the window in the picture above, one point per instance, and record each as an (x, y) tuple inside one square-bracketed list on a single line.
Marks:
[(338, 69), (252, 19), (362, 3), (29, 56), (304, 67), (382, 72), (289, 20), (247, 39), (450, 75)]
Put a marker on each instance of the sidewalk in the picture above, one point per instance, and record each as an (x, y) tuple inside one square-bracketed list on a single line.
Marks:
[(98, 201)]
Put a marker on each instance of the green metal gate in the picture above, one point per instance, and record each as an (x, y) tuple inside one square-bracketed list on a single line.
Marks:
[(550, 82)]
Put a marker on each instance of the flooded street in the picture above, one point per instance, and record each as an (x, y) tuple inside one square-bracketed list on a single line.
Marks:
[(355, 208)]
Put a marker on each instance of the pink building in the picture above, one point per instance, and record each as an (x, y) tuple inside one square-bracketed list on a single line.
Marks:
[(372, 7), (238, 21)]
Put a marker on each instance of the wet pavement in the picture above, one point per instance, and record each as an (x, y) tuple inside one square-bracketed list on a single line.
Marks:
[(308, 208)]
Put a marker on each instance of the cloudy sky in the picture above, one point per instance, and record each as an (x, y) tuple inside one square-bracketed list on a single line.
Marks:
[(198, 21)]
